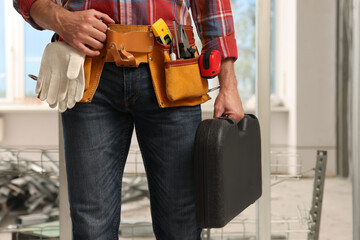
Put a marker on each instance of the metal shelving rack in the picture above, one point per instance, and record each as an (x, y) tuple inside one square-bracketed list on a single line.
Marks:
[(38, 162), (29, 181), (306, 225), (40, 166)]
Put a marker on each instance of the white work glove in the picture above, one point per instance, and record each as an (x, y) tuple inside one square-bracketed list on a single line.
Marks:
[(61, 79)]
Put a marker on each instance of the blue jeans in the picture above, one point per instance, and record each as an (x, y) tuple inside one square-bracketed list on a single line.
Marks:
[(97, 138)]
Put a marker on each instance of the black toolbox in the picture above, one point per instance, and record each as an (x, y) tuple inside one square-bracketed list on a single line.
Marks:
[(227, 169)]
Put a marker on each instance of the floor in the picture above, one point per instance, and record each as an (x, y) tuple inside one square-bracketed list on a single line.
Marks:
[(290, 203), (336, 219)]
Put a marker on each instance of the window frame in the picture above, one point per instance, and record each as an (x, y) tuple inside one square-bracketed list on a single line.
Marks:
[(14, 55), (15, 58)]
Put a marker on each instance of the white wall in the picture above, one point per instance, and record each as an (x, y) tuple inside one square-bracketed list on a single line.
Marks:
[(316, 67), (306, 65), (30, 128)]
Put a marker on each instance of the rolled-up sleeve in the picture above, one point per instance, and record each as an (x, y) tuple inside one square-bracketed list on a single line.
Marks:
[(215, 25), (23, 7)]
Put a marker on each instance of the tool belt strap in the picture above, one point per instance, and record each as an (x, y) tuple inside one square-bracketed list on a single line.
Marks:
[(129, 45)]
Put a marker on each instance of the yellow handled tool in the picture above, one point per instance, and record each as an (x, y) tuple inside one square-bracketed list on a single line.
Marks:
[(162, 32)]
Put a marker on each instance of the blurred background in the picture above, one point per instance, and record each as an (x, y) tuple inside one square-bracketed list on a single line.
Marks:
[(311, 135)]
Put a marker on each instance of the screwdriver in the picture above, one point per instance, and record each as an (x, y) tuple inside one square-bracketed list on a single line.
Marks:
[(172, 53), (176, 38), (33, 77)]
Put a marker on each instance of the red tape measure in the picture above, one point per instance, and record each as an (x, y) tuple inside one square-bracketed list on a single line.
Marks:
[(210, 63)]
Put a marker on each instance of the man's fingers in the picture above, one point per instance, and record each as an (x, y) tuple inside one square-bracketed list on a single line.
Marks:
[(87, 51), (235, 116), (241, 116), (218, 112), (98, 35), (99, 25), (93, 42), (106, 19), (229, 104)]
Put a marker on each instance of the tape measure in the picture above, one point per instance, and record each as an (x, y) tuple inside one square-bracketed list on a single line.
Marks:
[(162, 32), (210, 63)]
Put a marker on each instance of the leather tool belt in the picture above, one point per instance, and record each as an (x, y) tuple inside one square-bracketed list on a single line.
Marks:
[(176, 83)]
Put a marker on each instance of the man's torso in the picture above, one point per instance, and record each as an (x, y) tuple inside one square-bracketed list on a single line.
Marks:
[(136, 12)]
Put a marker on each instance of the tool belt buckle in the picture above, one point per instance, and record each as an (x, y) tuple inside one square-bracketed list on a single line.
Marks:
[(121, 57), (128, 45)]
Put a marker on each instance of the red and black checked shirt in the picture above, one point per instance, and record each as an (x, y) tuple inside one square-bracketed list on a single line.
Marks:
[(213, 18)]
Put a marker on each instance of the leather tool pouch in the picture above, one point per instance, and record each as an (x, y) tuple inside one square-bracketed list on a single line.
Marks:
[(92, 69), (182, 76), (183, 79), (176, 83), (87, 71), (126, 45)]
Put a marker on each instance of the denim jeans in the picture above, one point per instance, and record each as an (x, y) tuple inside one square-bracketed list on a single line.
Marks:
[(97, 138)]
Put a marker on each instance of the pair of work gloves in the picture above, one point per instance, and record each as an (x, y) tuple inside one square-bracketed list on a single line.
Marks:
[(61, 80)]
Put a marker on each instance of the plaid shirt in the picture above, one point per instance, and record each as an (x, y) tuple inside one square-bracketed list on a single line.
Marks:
[(213, 18)]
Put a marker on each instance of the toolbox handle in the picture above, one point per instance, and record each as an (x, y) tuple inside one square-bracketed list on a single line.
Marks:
[(226, 117), (243, 124)]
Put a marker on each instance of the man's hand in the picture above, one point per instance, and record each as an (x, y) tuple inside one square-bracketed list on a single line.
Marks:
[(82, 29), (228, 101)]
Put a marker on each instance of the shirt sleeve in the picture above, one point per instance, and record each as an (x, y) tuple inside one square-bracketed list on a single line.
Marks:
[(215, 25), (23, 7)]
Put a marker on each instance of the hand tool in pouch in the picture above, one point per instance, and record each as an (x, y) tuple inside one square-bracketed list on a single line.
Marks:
[(176, 38), (186, 51), (162, 32)]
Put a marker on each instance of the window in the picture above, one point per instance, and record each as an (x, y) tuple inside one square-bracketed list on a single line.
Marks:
[(21, 49), (2, 52), (273, 48), (244, 13), (31, 44), (35, 43)]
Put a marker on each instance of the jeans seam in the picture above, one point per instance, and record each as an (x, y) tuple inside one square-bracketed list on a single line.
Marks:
[(122, 152), (126, 102), (148, 172), (141, 145), (137, 87)]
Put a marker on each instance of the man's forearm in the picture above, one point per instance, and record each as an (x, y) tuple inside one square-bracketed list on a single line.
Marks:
[(46, 14), (228, 101), (81, 29), (227, 78)]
